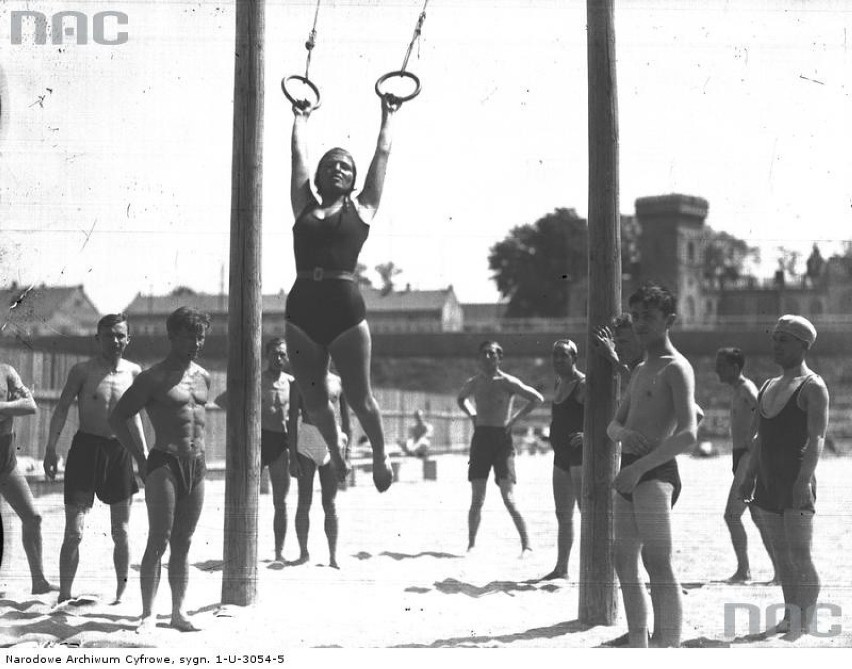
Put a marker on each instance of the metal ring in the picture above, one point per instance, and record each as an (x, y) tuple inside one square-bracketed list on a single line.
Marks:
[(398, 73), (309, 84)]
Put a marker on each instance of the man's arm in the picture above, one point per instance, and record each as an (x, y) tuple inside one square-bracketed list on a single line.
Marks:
[(131, 403), (73, 386), (20, 400), (295, 404), (463, 399), (531, 395)]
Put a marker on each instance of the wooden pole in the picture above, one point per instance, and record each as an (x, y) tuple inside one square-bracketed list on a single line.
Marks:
[(598, 598), (242, 479)]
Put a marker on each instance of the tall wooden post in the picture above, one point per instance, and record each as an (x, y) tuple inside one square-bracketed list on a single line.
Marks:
[(239, 577), (598, 596)]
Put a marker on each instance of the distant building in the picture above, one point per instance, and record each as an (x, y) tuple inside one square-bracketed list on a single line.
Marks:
[(413, 310), (147, 314), (670, 251), (43, 311), (398, 311)]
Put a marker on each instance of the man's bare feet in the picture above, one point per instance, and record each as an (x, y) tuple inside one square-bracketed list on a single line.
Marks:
[(332, 562), (183, 624), (740, 576), (556, 573), (525, 553), (382, 473), (302, 559), (43, 587)]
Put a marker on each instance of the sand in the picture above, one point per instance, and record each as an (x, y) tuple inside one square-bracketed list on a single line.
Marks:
[(405, 579)]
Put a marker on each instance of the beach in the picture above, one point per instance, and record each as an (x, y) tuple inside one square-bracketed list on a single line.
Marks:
[(406, 580)]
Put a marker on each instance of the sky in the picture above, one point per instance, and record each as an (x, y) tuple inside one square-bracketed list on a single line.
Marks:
[(115, 161)]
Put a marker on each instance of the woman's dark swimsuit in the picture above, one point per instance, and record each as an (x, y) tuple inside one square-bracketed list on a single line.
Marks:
[(566, 421), (325, 307), (782, 448)]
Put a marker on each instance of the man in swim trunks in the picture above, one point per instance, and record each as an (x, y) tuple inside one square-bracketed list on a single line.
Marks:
[(96, 463), (655, 422), (17, 400), (566, 437), (493, 392), (275, 384), (310, 454), (729, 368), (174, 394), (419, 437), (792, 419)]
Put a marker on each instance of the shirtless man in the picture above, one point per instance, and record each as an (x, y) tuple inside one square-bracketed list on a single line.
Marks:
[(493, 392), (275, 385), (655, 422), (96, 463), (792, 419), (174, 394), (310, 455), (729, 368), (17, 400), (419, 437)]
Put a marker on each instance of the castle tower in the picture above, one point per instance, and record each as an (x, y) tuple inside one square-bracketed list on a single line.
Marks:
[(671, 249)]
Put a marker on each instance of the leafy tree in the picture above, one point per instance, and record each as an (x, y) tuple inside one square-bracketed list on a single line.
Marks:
[(725, 257), (387, 271), (535, 265), (360, 277)]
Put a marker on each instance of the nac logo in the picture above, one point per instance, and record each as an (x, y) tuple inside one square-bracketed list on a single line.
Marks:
[(73, 26)]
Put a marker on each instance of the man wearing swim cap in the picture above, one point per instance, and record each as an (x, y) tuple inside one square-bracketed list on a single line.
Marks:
[(792, 418)]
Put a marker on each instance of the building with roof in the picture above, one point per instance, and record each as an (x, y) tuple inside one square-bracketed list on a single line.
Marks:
[(43, 311), (392, 312)]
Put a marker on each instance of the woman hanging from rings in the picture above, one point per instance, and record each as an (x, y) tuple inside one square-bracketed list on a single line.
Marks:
[(325, 311)]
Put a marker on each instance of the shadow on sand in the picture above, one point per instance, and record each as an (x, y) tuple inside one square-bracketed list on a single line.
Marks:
[(452, 586), (560, 629)]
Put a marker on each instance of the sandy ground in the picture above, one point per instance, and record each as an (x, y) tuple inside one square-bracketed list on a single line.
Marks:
[(405, 579)]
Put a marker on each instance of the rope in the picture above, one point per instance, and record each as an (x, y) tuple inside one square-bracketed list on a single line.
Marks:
[(416, 36), (312, 40)]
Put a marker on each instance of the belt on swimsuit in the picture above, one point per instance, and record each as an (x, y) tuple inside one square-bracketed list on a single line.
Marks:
[(320, 274)]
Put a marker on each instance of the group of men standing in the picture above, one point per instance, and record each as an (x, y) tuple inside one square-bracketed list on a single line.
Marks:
[(778, 435), (777, 432)]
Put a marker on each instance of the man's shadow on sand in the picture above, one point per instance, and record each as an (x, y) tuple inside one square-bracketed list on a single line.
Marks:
[(451, 586), (557, 630), (363, 555)]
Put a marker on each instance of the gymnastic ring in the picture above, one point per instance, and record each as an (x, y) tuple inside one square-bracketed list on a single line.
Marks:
[(302, 104), (398, 100)]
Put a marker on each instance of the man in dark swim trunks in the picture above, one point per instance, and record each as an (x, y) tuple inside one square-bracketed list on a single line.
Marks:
[(96, 463), (792, 419), (655, 422), (729, 368), (17, 400), (275, 387), (174, 394), (493, 392), (566, 437)]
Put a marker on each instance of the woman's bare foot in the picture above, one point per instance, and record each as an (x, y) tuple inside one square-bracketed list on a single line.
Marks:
[(382, 473)]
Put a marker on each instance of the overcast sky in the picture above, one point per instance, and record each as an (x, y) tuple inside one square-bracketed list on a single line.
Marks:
[(115, 168)]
